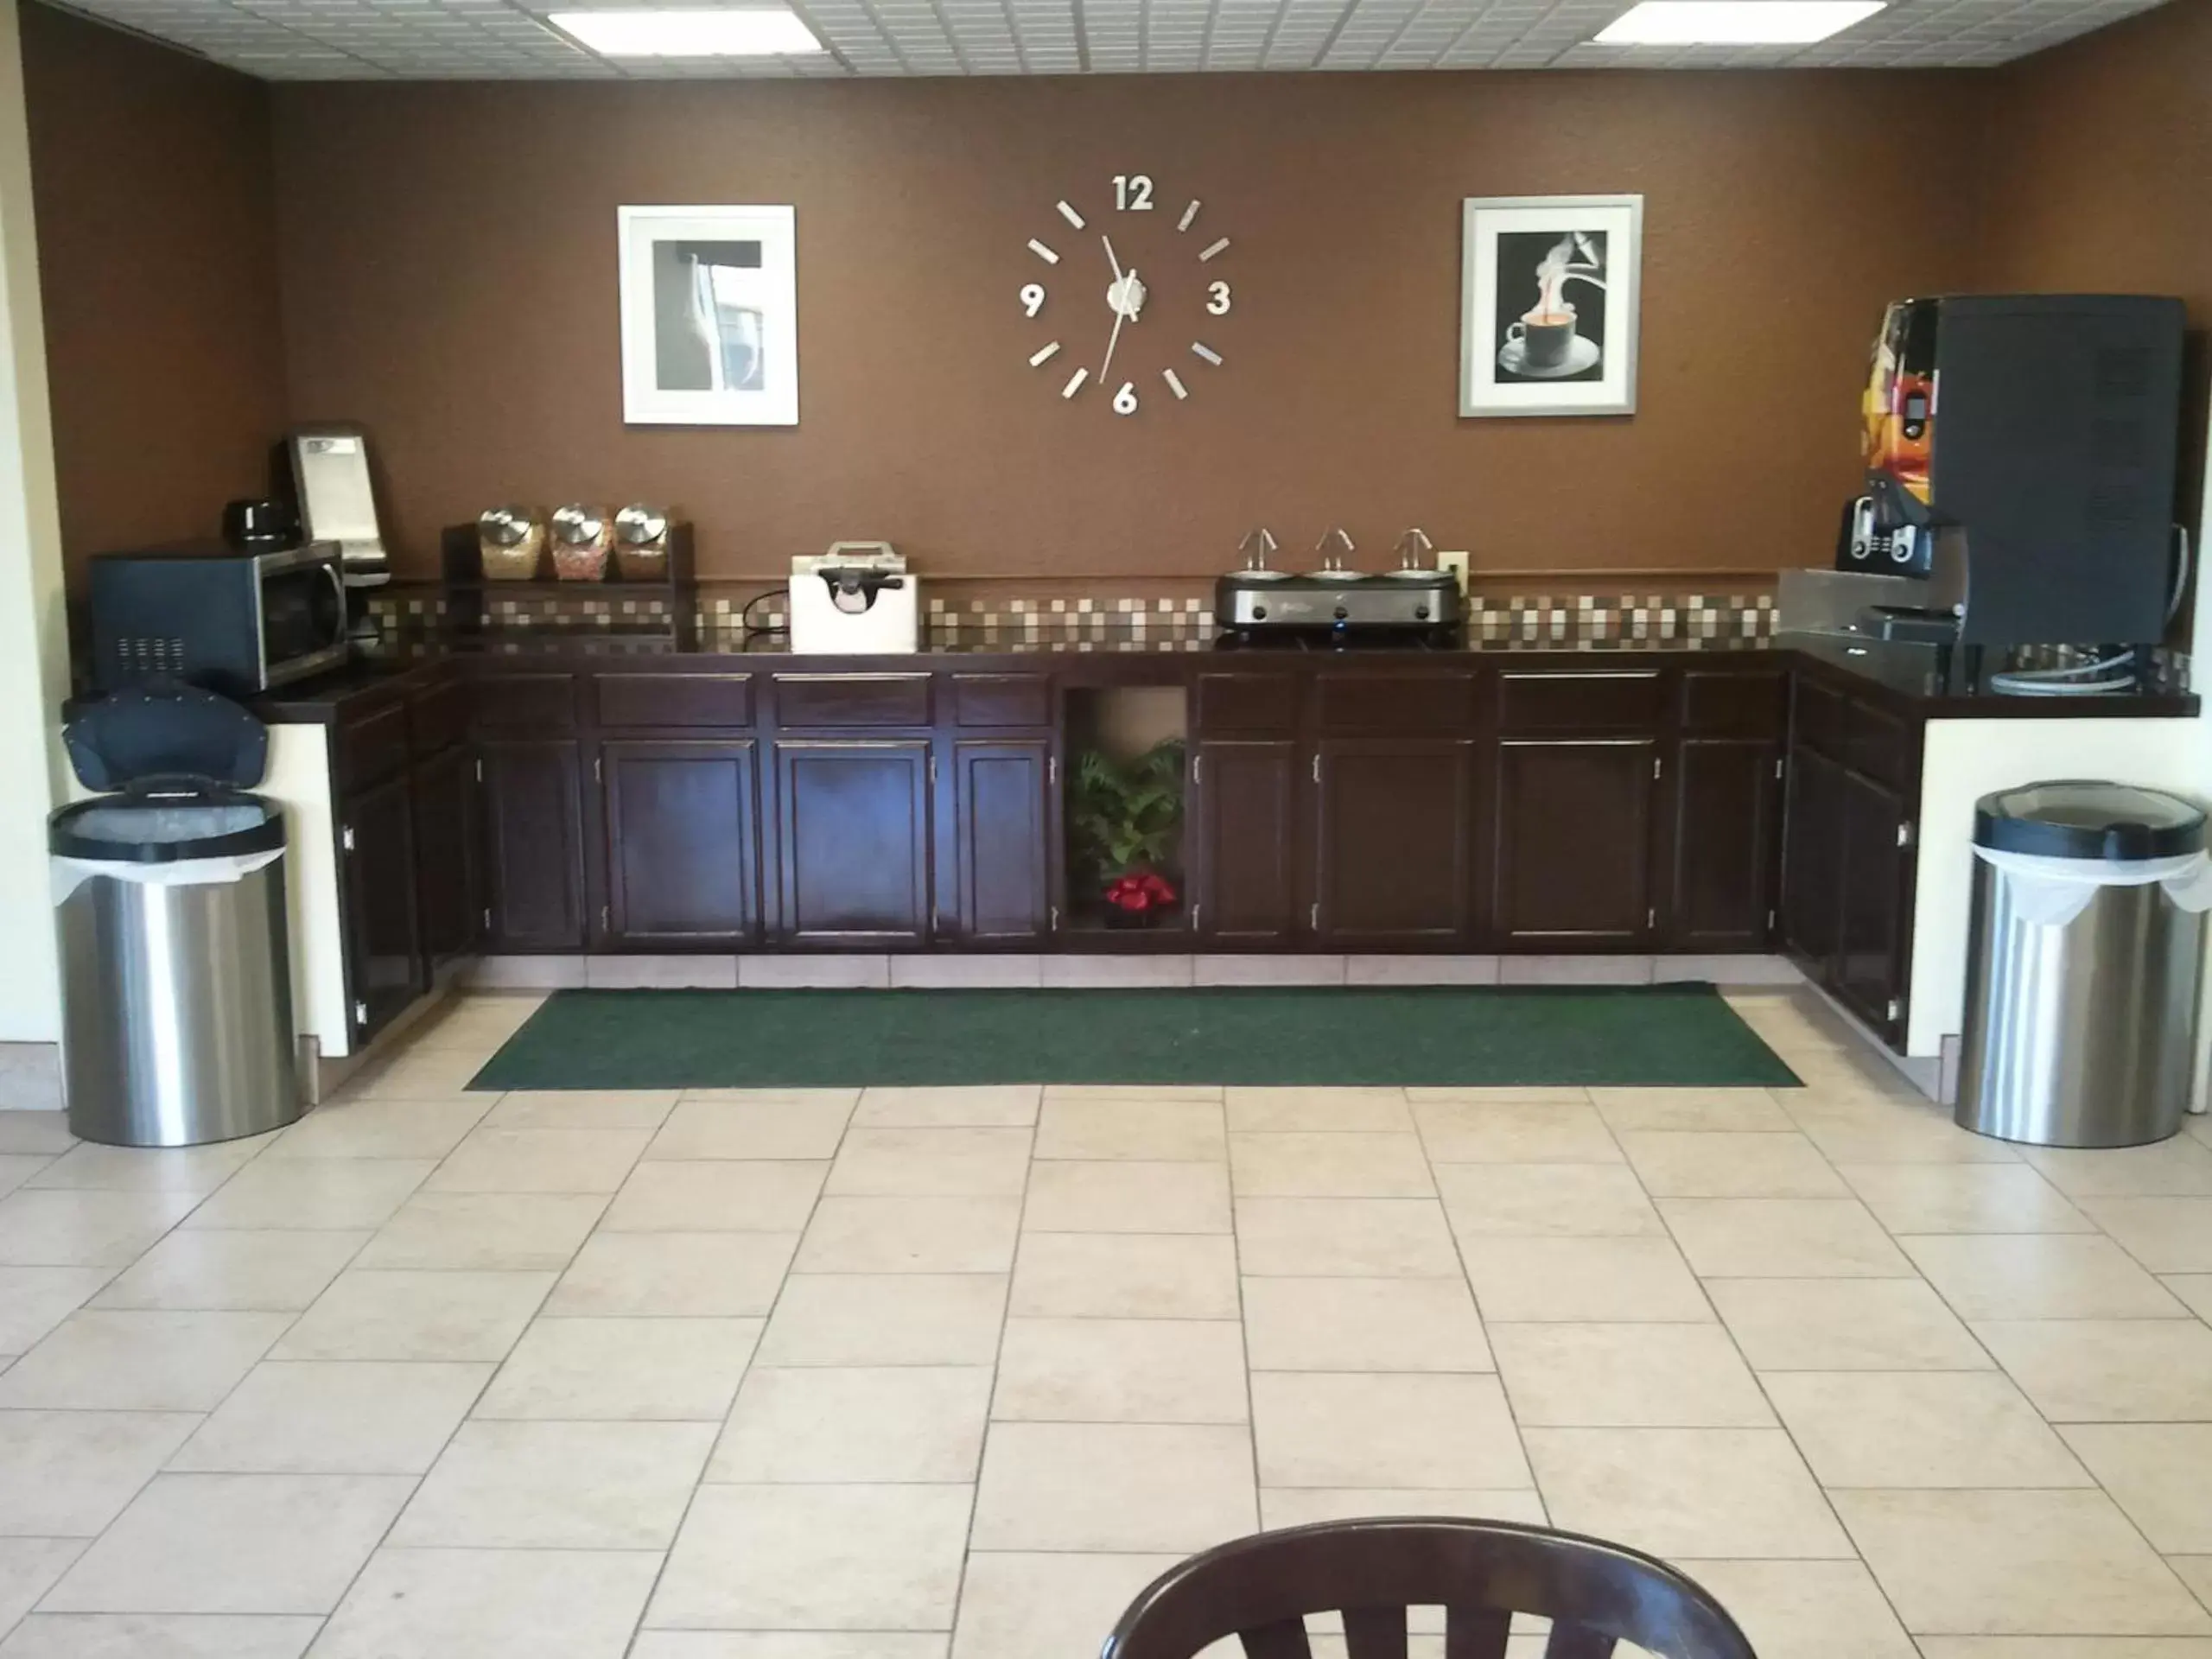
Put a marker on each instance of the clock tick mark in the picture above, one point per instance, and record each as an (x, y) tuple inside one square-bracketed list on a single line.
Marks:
[(1190, 214), (1043, 252), (1074, 383), (1205, 352), (1069, 214), (1174, 382), (1213, 249), (1037, 358)]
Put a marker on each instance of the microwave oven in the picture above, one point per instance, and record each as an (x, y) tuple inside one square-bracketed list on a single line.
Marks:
[(239, 623)]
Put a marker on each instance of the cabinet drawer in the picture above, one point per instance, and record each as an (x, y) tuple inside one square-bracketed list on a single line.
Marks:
[(437, 718), (371, 748), (1247, 704), (1878, 746), (673, 700), (1717, 703), (1001, 700), (846, 700), (1396, 703), (1580, 700), (526, 703), (1816, 718)]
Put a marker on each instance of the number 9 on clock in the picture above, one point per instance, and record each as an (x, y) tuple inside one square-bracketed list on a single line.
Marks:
[(1033, 297)]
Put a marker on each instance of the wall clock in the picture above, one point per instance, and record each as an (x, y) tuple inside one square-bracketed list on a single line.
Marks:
[(1131, 290)]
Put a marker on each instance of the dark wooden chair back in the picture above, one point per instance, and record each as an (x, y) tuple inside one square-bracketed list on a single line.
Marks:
[(1481, 1572)]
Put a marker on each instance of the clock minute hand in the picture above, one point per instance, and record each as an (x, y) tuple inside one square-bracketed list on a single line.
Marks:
[(1110, 259)]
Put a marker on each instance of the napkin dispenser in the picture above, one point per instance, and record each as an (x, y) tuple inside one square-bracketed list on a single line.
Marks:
[(857, 598)]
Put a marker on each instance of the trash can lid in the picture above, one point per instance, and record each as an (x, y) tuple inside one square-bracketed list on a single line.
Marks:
[(152, 827), (163, 733), (2077, 818)]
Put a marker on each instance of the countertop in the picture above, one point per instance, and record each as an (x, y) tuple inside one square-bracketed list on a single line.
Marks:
[(1906, 673)]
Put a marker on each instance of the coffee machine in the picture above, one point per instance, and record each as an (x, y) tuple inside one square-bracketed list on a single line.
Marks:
[(2020, 469)]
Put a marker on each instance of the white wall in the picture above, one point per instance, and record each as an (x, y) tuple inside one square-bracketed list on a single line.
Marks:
[(34, 630)]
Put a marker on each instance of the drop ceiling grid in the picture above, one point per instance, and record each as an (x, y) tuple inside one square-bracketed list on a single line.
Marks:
[(310, 40)]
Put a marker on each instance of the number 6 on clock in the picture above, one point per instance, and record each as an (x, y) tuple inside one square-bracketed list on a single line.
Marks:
[(1125, 400), (1032, 298), (1217, 299)]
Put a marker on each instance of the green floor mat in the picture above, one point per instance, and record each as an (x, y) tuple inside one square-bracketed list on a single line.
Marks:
[(1679, 1035)]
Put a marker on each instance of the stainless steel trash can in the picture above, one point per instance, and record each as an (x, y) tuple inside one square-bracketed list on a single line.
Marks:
[(169, 905), (2084, 959)]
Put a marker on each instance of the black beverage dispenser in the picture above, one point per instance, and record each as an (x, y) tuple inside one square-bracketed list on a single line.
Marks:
[(2020, 458)]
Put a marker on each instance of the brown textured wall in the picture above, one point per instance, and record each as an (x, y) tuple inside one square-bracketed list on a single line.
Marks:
[(449, 279), (150, 172), (2102, 171)]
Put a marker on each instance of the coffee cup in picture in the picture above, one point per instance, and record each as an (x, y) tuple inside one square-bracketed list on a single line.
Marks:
[(1546, 338)]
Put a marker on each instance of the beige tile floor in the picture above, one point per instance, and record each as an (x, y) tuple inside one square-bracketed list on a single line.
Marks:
[(924, 1374)]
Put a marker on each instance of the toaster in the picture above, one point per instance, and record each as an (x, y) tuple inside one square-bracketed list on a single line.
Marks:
[(857, 598)]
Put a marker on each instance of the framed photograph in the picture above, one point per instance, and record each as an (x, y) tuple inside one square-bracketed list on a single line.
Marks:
[(709, 316), (1549, 291)]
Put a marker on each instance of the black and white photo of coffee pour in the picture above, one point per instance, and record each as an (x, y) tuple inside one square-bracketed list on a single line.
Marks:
[(1550, 321)]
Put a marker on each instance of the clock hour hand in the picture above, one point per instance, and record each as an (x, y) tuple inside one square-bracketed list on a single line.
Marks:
[(1112, 340)]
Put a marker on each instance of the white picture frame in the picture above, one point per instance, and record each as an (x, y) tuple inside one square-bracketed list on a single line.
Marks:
[(1520, 255), (708, 340)]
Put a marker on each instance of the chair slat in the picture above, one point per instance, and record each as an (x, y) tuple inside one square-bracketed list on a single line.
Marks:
[(1578, 1641), (1284, 1639), (1374, 1632), (1476, 1632)]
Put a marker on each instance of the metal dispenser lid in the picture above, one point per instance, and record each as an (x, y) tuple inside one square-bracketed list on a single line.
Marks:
[(178, 755), (2078, 818)]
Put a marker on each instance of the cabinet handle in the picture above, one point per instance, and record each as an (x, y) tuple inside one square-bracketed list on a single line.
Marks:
[(1317, 767), (1657, 766), (1197, 764), (361, 1015), (1052, 769), (346, 837), (598, 770), (605, 919), (1195, 909), (1905, 834), (1314, 916), (479, 768), (1056, 919), (1779, 763), (1651, 917)]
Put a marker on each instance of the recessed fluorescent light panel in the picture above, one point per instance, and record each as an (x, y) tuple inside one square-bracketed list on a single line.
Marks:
[(1734, 22), (748, 32)]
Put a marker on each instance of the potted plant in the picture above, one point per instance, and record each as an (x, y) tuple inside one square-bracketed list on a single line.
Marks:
[(1123, 817)]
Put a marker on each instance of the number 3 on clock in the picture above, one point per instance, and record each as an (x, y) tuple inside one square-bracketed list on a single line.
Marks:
[(1217, 299)]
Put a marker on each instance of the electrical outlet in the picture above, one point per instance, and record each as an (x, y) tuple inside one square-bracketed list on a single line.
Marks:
[(1457, 564)]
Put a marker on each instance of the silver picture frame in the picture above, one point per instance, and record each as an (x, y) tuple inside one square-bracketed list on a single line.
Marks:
[(1550, 296)]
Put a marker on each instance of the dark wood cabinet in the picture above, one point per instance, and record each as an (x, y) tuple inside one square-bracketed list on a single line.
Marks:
[(1244, 822), (1394, 842), (1812, 858), (1722, 844), (854, 840), (533, 841), (998, 887), (1849, 858), (376, 842), (1572, 841), (1870, 955), (682, 863), (448, 883)]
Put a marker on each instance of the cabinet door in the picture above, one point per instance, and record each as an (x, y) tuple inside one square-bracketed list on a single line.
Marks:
[(1244, 871), (1574, 820), (855, 840), (1393, 832), (384, 951), (682, 862), (1876, 867), (1000, 840), (1811, 910), (1720, 890), (533, 844), (448, 886)]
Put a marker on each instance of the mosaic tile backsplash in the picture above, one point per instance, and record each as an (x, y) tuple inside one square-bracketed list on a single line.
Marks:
[(1109, 621)]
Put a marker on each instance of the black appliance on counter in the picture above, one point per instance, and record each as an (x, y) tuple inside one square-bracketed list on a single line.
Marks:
[(239, 623), (2020, 470)]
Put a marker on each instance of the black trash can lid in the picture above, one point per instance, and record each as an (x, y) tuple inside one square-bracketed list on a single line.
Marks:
[(164, 735), (2077, 818)]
